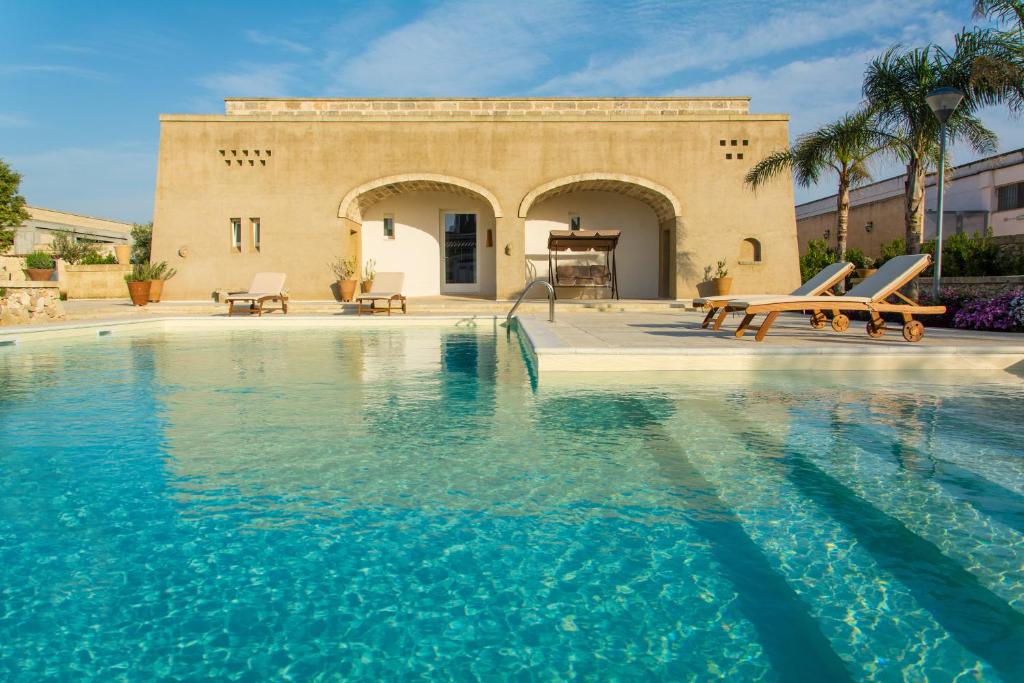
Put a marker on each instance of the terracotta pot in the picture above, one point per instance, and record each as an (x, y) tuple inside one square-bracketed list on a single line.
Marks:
[(139, 292), (123, 252), (38, 274), (722, 285), (865, 272), (367, 286), (156, 290), (347, 289)]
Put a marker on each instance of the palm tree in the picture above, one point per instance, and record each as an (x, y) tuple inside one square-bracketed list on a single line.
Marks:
[(1000, 64), (895, 86), (842, 147)]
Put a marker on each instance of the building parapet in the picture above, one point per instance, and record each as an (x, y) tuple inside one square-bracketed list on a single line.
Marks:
[(506, 108)]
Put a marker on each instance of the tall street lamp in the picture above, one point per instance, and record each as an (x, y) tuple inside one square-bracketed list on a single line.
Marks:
[(943, 102)]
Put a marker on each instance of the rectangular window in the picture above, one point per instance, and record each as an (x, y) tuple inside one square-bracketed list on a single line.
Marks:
[(1010, 197), (236, 233), (575, 222), (389, 227), (255, 233)]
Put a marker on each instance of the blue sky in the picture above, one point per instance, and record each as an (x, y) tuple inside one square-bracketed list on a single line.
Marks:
[(82, 84)]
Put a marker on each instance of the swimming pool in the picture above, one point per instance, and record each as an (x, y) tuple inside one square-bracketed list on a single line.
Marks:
[(408, 502)]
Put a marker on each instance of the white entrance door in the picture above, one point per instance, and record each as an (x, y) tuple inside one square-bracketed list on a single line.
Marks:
[(459, 258)]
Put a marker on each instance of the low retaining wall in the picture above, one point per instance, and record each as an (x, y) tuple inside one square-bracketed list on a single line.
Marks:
[(96, 282), (29, 302), (992, 284)]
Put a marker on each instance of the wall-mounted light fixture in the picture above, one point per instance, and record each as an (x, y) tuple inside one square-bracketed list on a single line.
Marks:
[(508, 250), (828, 233), (490, 238), (869, 226)]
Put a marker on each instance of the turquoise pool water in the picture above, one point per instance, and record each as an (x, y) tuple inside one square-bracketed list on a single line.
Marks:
[(409, 503)]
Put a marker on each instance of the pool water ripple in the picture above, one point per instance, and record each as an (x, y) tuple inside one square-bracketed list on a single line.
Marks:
[(411, 503)]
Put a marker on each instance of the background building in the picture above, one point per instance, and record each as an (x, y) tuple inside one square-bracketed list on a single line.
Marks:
[(983, 193), (37, 232), (460, 194)]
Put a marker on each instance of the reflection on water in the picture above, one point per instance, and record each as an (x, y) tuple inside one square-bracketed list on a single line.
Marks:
[(398, 503)]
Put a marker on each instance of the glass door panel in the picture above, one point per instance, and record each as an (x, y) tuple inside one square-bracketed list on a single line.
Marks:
[(459, 234)]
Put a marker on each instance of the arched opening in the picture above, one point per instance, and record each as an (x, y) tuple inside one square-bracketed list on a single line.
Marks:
[(750, 251), (436, 229), (642, 210)]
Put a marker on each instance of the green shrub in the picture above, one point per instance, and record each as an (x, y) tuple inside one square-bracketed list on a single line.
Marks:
[(965, 255), (141, 272), (890, 250), (94, 259), (160, 271), (39, 259), (859, 259), (818, 256), (70, 249)]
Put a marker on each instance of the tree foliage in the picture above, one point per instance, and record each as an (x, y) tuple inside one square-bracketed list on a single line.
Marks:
[(142, 242), (12, 205)]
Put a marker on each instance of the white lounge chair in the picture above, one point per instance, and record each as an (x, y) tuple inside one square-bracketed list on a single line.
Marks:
[(386, 287), (820, 284), (265, 287), (871, 295)]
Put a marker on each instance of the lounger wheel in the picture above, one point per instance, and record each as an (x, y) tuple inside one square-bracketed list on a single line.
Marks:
[(840, 323), (913, 330), (876, 331), (818, 320)]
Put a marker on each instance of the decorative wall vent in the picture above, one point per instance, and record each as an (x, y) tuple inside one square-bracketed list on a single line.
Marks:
[(246, 157)]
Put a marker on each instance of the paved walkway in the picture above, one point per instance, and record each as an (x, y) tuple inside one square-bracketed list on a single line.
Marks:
[(675, 341)]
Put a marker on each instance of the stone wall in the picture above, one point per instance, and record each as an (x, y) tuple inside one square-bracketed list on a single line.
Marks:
[(595, 108), (21, 305), (96, 282)]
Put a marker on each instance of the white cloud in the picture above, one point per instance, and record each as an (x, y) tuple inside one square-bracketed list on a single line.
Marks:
[(267, 40), (110, 181), (461, 48), (252, 80), (781, 30)]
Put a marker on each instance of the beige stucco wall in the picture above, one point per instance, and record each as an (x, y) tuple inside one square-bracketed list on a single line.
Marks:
[(416, 250), (638, 245), (78, 220), (95, 282), (209, 172)]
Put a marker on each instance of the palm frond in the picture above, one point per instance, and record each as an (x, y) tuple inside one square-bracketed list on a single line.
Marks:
[(770, 167)]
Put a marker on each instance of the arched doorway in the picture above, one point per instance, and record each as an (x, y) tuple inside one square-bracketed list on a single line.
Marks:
[(643, 210), (437, 229)]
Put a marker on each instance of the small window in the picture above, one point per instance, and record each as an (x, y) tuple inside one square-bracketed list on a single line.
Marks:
[(746, 143), (575, 223), (255, 233), (236, 233), (732, 142), (722, 143), (739, 155), (389, 227), (1010, 197), (729, 155)]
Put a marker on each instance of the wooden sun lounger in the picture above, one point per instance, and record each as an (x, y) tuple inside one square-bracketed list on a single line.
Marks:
[(386, 287), (820, 284), (265, 287), (872, 295)]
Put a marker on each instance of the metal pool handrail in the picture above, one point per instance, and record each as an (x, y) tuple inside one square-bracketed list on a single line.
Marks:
[(551, 300)]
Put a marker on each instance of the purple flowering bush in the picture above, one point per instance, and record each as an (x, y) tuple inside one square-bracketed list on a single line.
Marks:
[(1000, 312)]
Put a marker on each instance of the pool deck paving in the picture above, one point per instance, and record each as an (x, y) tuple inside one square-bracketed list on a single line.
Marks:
[(599, 336), (674, 340)]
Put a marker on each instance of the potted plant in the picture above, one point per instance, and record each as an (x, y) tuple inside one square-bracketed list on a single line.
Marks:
[(723, 283), (159, 273), (39, 266), (139, 283), (864, 266), (344, 270), (123, 252), (368, 273)]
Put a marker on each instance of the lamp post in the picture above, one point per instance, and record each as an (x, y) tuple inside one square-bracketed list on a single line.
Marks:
[(943, 102)]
